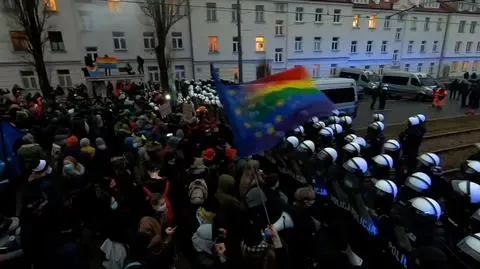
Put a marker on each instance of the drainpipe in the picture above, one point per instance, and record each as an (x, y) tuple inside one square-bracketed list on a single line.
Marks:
[(442, 54), (191, 37)]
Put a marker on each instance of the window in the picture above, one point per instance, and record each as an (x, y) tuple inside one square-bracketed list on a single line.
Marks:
[(259, 14), (422, 46), (119, 41), (335, 43), (454, 67), (468, 47), (316, 71), (153, 74), (461, 26), (19, 40), (353, 47), (51, 5), (475, 66), (317, 43), (372, 22), (211, 12), (356, 21), (213, 44), (435, 46), (439, 24), (384, 46), (234, 12), (280, 7), (29, 80), (64, 78), (279, 28), (367, 67), (431, 68), (336, 15), (369, 46), (92, 53), (478, 47), (410, 46), (179, 71), (177, 41), (235, 44), (340, 96), (333, 69), (407, 67), (278, 55), (86, 20), (458, 45), (415, 82), (149, 40), (113, 5), (419, 67), (318, 15), (472, 27), (56, 41), (299, 14), (386, 23), (260, 44), (395, 56), (465, 66), (397, 34), (298, 44), (414, 24), (380, 69), (426, 26)]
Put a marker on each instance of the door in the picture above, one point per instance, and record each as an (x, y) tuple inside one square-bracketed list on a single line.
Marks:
[(415, 86)]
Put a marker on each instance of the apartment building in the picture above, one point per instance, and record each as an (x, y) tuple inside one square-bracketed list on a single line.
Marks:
[(324, 36)]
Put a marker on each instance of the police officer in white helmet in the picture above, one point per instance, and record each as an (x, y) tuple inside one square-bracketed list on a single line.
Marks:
[(463, 201), (468, 252), (471, 171), (374, 138), (410, 140), (381, 167), (392, 148), (430, 164), (325, 137), (415, 185)]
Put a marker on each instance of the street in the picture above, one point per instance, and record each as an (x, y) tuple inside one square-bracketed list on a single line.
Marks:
[(399, 110)]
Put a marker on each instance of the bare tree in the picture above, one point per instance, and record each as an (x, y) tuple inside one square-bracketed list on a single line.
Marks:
[(164, 14), (32, 16)]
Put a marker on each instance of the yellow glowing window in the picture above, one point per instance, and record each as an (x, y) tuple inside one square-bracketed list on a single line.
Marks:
[(114, 5), (260, 44), (356, 21), (465, 66), (372, 22), (477, 65), (213, 44), (51, 5)]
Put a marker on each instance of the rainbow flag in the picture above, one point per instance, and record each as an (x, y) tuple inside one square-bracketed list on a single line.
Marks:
[(261, 112), (107, 62)]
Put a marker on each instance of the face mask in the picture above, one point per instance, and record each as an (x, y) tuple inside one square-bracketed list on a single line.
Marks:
[(69, 167)]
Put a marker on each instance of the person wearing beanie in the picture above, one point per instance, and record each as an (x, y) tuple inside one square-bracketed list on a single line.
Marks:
[(86, 148), (30, 152)]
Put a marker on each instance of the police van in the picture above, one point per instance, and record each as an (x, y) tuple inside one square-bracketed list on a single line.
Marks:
[(342, 92), (366, 80), (406, 84)]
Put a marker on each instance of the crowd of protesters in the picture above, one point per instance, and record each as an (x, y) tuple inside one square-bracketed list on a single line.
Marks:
[(153, 186), (468, 91)]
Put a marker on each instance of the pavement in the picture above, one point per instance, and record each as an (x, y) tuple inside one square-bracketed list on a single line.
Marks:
[(397, 111)]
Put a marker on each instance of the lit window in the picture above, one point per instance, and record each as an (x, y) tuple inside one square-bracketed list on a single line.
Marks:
[(64, 78), (213, 46), (316, 71), (260, 44), (149, 40), (51, 5), (114, 5), (372, 22), (476, 66), (468, 47), (369, 46), (278, 55), (458, 45), (177, 40), (29, 80), (454, 67), (19, 40), (356, 21), (465, 66)]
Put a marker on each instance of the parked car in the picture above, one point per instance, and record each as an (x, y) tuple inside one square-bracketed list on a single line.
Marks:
[(409, 85)]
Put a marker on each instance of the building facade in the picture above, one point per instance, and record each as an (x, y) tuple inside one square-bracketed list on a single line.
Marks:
[(324, 36)]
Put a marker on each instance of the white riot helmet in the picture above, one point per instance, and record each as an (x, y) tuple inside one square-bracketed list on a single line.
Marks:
[(337, 128), (387, 186), (356, 165), (429, 159), (427, 207), (299, 130), (350, 137), (327, 131), (307, 146), (421, 118), (377, 125), (328, 153), (293, 141), (378, 117), (319, 125), (346, 119), (391, 145), (383, 160), (467, 188), (335, 112), (361, 141), (472, 167), (418, 182), (314, 119), (334, 119), (352, 147), (412, 121), (470, 245)]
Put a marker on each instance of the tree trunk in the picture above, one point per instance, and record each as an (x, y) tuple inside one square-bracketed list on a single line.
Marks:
[(162, 62), (42, 75)]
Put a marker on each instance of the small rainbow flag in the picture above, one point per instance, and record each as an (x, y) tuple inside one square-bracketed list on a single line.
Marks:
[(107, 62), (260, 113)]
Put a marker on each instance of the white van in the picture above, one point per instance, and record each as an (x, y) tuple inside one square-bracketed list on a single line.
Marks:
[(366, 80), (342, 92)]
